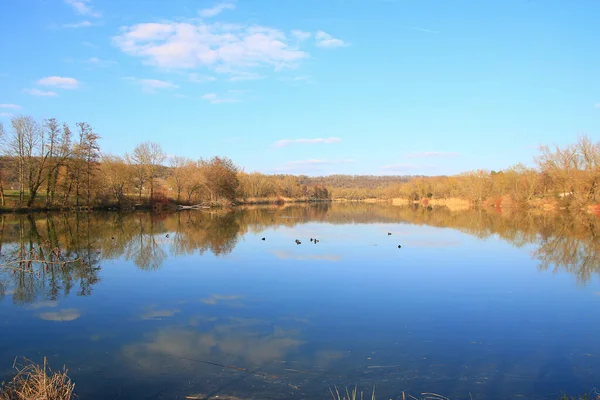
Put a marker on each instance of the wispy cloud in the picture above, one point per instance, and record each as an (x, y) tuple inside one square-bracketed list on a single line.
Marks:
[(68, 314), (83, 7), (245, 76), (597, 105), (6, 115), (216, 10), (152, 85), (80, 24), (287, 142), (11, 106), (427, 154), (324, 39), (298, 78), (196, 78), (416, 28), (213, 98), (301, 35), (43, 304), (215, 299), (153, 313), (60, 82), (99, 62), (41, 93)]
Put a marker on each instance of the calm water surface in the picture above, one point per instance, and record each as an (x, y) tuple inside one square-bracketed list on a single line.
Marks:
[(475, 303)]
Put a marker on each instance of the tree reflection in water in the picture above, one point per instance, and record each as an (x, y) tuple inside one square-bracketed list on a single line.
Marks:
[(65, 250)]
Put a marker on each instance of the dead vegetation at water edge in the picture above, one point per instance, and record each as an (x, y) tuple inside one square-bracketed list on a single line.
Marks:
[(36, 382)]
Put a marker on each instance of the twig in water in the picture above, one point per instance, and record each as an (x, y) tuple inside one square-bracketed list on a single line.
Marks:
[(435, 395)]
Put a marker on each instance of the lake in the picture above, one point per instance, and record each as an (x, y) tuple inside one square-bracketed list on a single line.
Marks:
[(475, 304)]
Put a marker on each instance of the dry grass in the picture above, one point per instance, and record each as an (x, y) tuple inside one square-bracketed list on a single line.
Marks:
[(36, 382)]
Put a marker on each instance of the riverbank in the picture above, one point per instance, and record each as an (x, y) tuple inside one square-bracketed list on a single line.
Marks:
[(164, 205)]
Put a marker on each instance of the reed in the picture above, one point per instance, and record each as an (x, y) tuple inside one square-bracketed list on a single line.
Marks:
[(34, 382)]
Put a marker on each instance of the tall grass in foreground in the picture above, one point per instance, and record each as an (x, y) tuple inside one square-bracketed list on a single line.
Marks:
[(36, 382), (355, 395)]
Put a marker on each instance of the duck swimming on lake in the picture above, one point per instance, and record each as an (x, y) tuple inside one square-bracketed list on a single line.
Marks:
[(298, 242), (263, 239)]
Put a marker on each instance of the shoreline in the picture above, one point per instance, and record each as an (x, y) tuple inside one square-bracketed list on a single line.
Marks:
[(453, 204)]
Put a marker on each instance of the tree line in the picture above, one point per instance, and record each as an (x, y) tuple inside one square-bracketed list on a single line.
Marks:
[(46, 164), (567, 176)]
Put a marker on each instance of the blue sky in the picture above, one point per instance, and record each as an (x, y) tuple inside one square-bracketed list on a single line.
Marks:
[(311, 86)]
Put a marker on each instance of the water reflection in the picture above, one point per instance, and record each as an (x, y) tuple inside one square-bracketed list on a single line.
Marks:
[(54, 254)]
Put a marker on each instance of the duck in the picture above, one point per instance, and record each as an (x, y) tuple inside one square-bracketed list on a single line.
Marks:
[(389, 233), (298, 242), (263, 239), (399, 246)]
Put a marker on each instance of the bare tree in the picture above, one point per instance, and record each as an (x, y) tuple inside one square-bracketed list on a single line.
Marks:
[(147, 157), (177, 165), (28, 147), (89, 154), (221, 177), (115, 176), (59, 148)]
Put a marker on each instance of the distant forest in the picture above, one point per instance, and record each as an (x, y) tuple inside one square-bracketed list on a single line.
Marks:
[(48, 164)]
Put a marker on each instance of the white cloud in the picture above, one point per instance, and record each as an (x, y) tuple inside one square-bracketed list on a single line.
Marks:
[(151, 85), (287, 142), (427, 154), (196, 78), (324, 39), (298, 78), (216, 10), (301, 35), (223, 48), (597, 105), (213, 98), (81, 24), (68, 314), (245, 76), (99, 62), (83, 7), (41, 93), (60, 82), (11, 106), (416, 28), (5, 115)]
